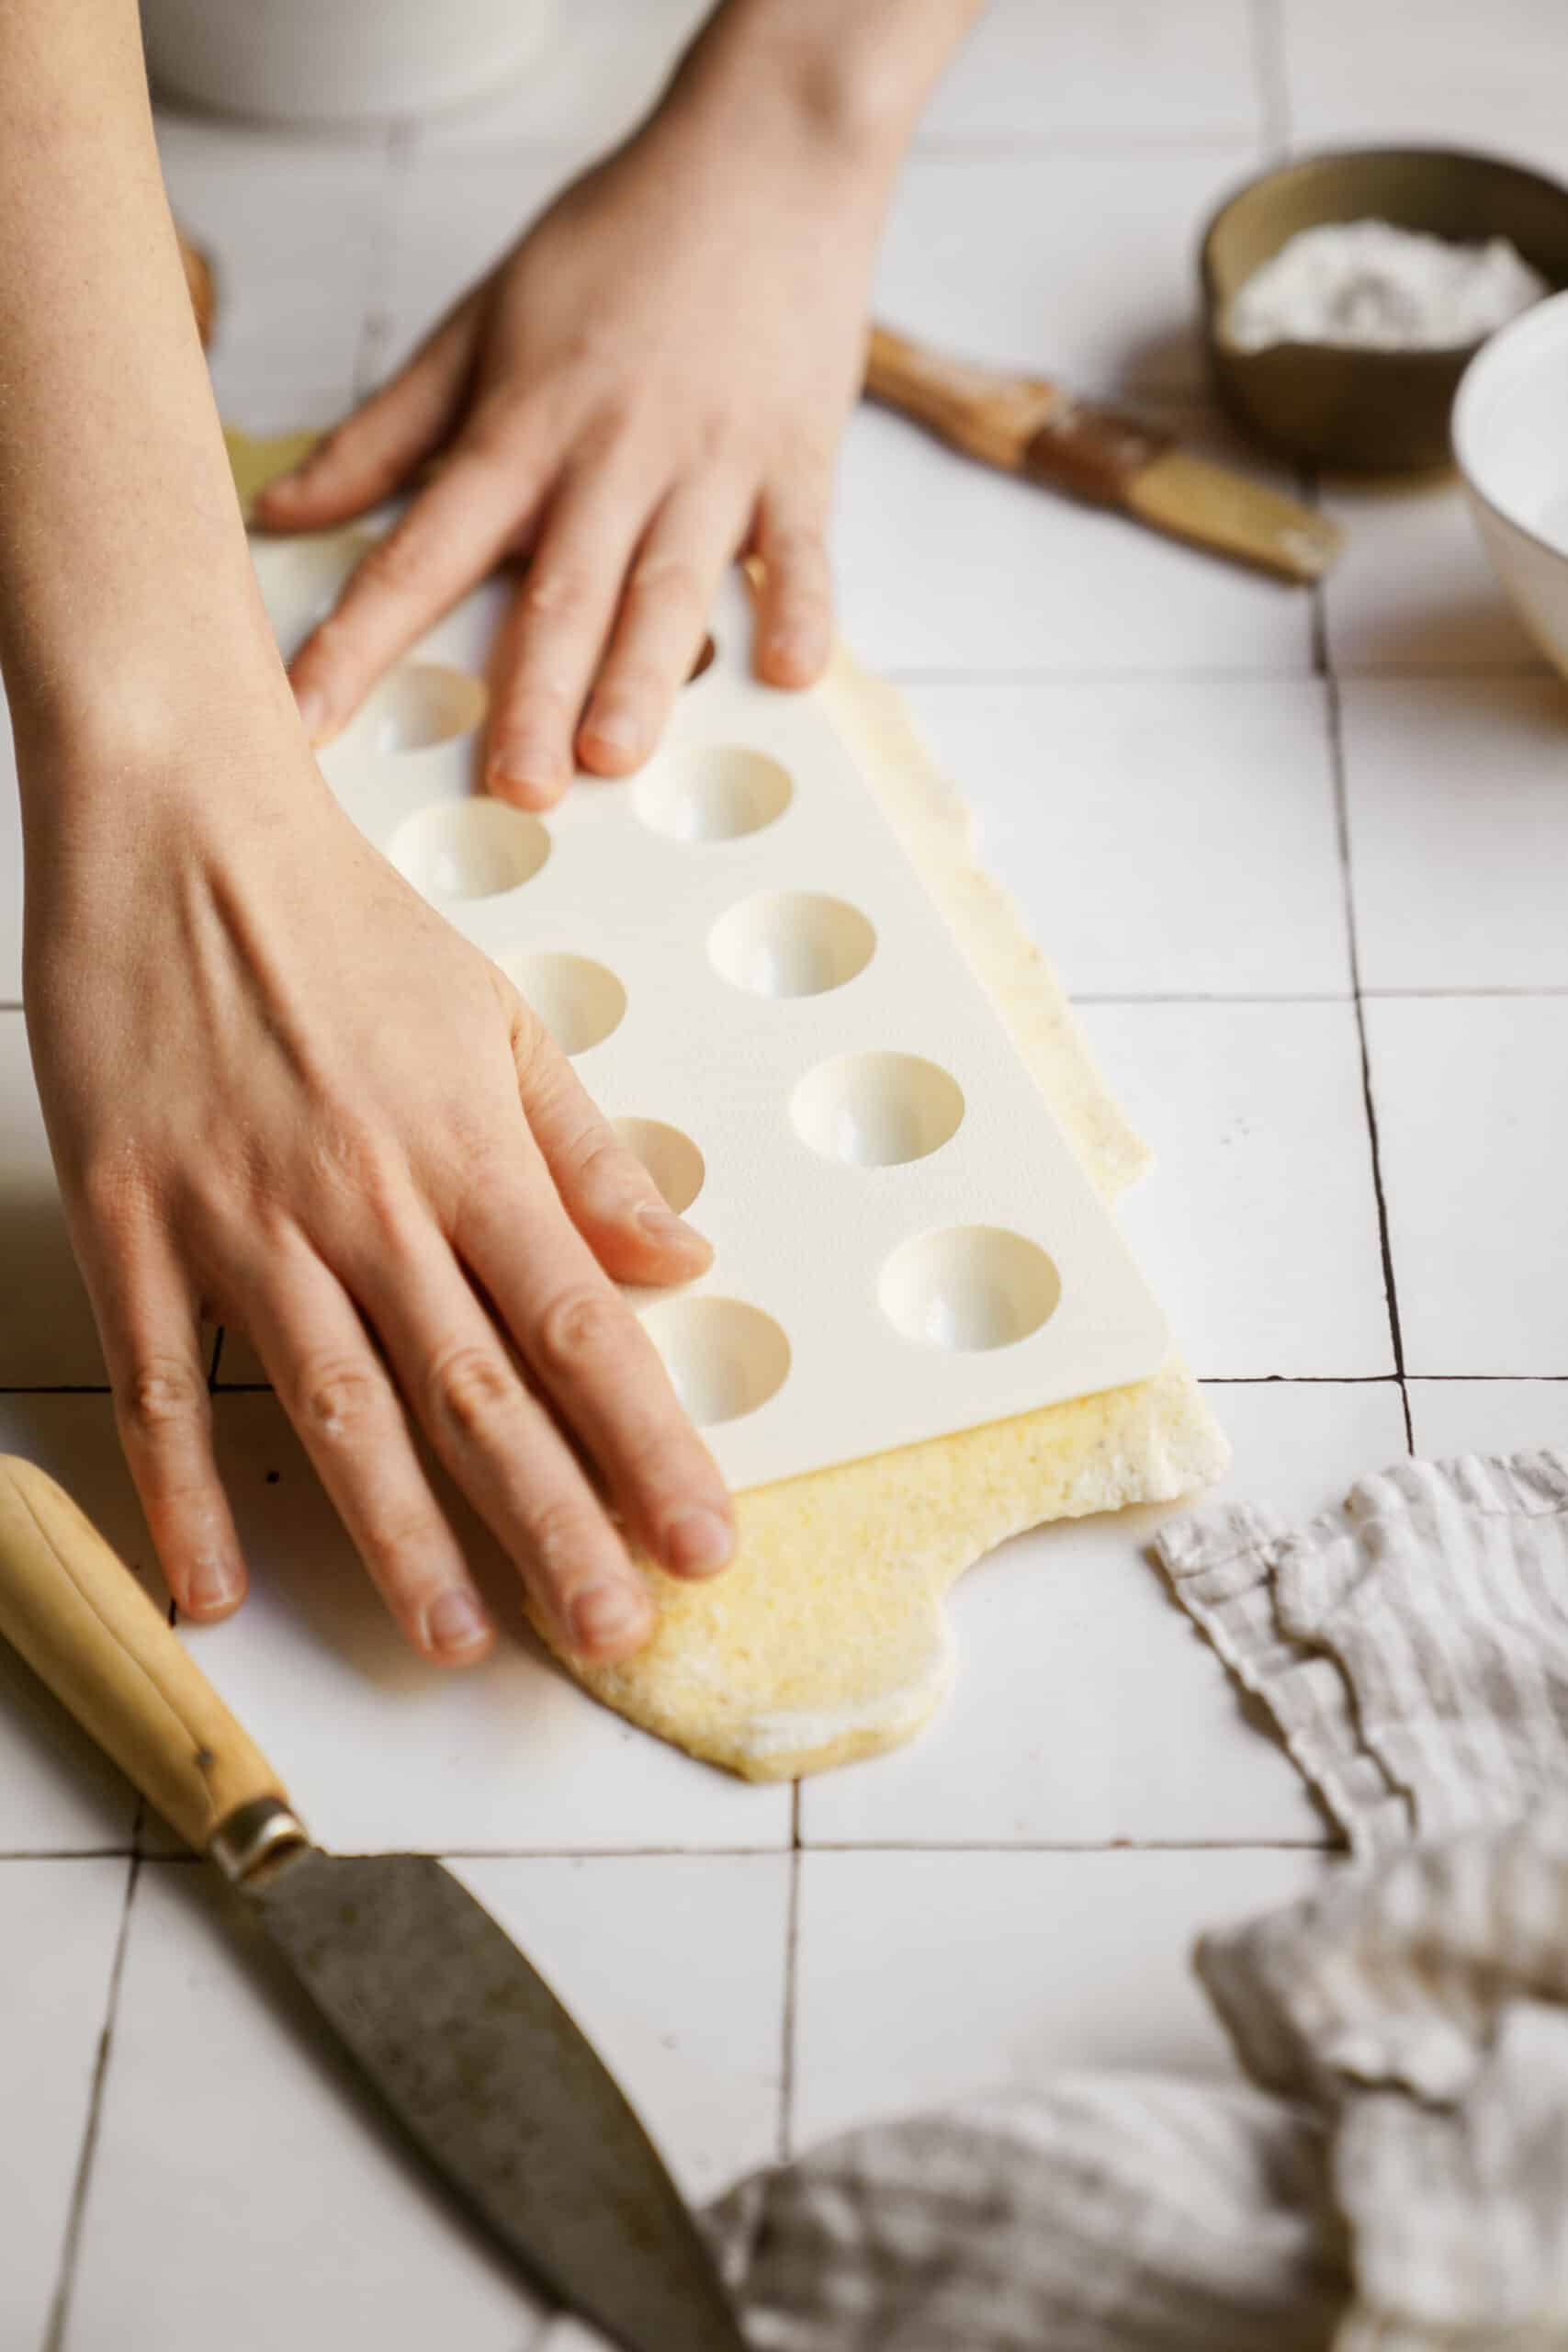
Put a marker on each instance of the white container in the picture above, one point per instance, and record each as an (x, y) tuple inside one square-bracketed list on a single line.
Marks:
[(1510, 435), (339, 60)]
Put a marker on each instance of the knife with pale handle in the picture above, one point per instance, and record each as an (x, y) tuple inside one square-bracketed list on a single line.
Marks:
[(465, 2042)]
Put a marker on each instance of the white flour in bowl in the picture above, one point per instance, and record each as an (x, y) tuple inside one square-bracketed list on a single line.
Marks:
[(1369, 285)]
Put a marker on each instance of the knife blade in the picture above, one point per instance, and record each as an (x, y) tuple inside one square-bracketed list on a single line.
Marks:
[(462, 2039)]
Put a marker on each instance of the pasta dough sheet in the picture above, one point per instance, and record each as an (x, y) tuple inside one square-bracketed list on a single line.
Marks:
[(827, 1638)]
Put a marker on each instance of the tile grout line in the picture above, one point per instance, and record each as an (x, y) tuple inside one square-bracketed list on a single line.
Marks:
[(1271, 77), (398, 149), (1342, 826), (789, 2020), (71, 2243)]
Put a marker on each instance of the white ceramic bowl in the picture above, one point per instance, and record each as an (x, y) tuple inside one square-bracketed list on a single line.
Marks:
[(1510, 436), (338, 60)]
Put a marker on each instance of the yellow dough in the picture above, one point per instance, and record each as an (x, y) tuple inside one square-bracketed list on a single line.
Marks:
[(827, 1638)]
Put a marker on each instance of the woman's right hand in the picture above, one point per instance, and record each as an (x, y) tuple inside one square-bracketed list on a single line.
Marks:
[(281, 1091)]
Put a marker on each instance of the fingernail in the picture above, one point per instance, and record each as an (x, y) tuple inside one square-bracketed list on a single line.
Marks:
[(313, 713), (213, 1585), (662, 1225), (699, 1543), (607, 1613), (617, 730), (526, 759), (456, 1622)]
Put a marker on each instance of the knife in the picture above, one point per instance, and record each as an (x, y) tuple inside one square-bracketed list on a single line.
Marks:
[(1025, 425), (464, 2042)]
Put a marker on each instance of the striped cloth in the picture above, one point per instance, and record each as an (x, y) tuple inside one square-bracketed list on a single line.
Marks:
[(1396, 2177)]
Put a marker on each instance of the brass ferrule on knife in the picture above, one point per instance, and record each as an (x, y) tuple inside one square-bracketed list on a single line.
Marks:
[(252, 1836)]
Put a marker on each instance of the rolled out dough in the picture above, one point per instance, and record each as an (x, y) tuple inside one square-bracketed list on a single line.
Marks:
[(826, 1639)]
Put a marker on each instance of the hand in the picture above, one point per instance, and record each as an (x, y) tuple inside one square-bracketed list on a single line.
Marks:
[(282, 1091), (655, 378)]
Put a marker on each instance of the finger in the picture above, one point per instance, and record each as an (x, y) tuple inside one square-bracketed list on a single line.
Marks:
[(340, 1401), (374, 451), (551, 641), (499, 1444), (152, 1339), (599, 1370), (664, 608), (606, 1190), (795, 609), (450, 537)]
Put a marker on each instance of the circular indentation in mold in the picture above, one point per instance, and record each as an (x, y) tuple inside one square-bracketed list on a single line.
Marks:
[(671, 1158), (717, 794), (707, 654), (791, 942), (578, 1001), (469, 849), (419, 705), (971, 1287), (724, 1358), (876, 1110), (302, 579)]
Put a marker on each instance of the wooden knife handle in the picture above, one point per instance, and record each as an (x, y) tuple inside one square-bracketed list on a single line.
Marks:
[(84, 1625), (1022, 424)]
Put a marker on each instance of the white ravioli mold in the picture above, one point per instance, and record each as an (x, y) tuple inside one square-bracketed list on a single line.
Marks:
[(758, 990)]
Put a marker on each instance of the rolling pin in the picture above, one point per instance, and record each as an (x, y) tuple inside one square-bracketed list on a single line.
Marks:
[(1023, 425)]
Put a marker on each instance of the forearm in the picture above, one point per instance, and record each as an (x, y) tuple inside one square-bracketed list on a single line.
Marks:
[(125, 596)]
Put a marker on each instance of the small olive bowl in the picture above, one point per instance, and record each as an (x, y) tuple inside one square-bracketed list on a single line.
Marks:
[(1513, 458), (1382, 411)]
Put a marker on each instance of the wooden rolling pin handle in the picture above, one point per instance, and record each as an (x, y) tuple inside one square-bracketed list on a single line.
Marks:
[(86, 1626), (993, 417), (1021, 424)]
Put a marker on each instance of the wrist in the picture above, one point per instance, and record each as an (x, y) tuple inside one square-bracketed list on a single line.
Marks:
[(848, 78), (159, 770)]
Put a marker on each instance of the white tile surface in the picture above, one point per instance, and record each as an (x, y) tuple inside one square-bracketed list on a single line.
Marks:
[(1487, 1416), (380, 1749), (1096, 69), (943, 565), (1072, 266), (1088, 1709), (62, 1920), (1257, 1226), (1472, 1096), (1458, 795), (1163, 839), (290, 224), (923, 1976), (46, 1332), (1412, 589), (294, 2199), (58, 1792), (1375, 74)]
